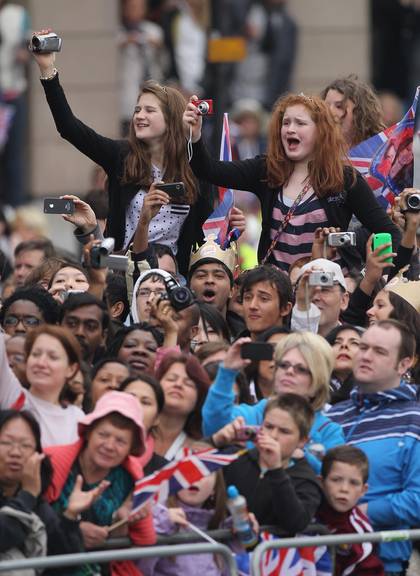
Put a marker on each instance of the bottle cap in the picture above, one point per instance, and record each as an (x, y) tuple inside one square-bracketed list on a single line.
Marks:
[(232, 492)]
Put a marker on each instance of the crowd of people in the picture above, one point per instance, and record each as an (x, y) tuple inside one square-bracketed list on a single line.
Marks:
[(308, 362)]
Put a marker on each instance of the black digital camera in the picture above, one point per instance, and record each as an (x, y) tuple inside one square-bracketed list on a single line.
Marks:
[(180, 297), (413, 202)]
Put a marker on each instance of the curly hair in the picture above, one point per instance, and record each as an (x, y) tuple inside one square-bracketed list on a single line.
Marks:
[(367, 113), (38, 296), (138, 165), (326, 172)]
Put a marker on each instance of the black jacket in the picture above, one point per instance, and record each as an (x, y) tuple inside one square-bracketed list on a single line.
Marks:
[(63, 535), (285, 498), (251, 175), (111, 154)]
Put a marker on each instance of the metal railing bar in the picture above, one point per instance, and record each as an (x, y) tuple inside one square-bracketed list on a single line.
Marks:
[(331, 540), (60, 561)]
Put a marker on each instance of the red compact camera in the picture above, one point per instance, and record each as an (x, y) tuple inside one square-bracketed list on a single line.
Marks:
[(204, 107)]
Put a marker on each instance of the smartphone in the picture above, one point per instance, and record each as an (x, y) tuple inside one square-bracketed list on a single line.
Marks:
[(58, 206), (257, 350), (380, 239), (175, 190)]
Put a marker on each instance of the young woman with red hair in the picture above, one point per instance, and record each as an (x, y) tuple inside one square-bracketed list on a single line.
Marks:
[(304, 182)]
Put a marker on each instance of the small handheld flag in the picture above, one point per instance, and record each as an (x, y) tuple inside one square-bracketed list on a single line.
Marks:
[(218, 221), (180, 474)]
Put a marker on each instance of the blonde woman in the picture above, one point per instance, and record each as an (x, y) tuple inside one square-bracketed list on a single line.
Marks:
[(303, 366)]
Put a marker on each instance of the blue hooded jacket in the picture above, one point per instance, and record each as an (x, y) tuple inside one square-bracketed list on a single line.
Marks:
[(386, 426), (219, 409)]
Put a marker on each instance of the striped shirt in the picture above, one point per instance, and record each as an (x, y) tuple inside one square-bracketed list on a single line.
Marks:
[(297, 238)]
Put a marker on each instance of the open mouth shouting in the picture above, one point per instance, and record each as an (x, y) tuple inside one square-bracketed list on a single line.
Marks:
[(209, 295)]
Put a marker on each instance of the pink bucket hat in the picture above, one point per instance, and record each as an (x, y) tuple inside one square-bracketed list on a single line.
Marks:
[(122, 403)]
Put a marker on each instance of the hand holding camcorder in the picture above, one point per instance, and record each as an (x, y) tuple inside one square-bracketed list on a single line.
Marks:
[(44, 43), (101, 256)]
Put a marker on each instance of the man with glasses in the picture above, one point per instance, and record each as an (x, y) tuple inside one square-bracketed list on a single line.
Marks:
[(87, 317)]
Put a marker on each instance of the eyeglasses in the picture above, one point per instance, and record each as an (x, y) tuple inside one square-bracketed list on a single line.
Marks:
[(24, 448), (145, 293), (27, 321), (297, 368)]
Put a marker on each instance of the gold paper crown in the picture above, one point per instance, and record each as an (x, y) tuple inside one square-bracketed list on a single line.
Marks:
[(408, 290), (211, 249)]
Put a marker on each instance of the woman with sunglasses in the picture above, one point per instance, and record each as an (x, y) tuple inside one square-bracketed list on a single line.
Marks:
[(303, 366)]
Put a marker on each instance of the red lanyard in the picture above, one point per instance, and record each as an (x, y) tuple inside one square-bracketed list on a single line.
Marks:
[(286, 220)]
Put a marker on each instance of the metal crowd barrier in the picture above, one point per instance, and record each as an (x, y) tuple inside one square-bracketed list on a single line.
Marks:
[(121, 549), (59, 561), (331, 540)]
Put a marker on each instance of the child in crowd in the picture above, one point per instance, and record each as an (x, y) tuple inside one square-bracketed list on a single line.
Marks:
[(204, 505), (344, 475), (280, 490)]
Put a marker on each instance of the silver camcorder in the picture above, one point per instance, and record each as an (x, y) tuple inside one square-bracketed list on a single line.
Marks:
[(101, 256), (338, 239), (321, 279), (44, 43)]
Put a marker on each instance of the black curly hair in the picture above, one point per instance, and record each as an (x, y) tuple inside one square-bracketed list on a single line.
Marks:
[(40, 297)]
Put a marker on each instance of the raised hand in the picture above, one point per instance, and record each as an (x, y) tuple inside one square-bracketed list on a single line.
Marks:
[(44, 61), (320, 249), (31, 476), (229, 433), (269, 450), (237, 219), (375, 265), (233, 359), (192, 119), (152, 203), (83, 216), (80, 500)]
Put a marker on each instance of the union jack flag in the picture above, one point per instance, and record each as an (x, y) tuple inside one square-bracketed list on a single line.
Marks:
[(310, 561), (6, 115), (218, 221), (386, 159), (180, 474)]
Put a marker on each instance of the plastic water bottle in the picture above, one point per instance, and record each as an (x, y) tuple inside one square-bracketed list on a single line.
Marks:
[(239, 512)]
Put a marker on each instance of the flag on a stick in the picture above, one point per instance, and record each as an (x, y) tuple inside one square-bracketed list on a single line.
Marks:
[(218, 221), (180, 474), (386, 159)]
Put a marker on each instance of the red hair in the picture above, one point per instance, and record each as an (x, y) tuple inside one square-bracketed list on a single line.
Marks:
[(326, 172)]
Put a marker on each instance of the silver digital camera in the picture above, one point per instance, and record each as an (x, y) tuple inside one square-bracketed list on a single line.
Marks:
[(44, 43), (338, 239), (321, 279)]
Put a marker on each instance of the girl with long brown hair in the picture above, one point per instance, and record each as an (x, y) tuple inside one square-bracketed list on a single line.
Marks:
[(304, 182), (154, 151)]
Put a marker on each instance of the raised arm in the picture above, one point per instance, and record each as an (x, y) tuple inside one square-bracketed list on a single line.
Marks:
[(103, 151), (10, 387), (240, 175)]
